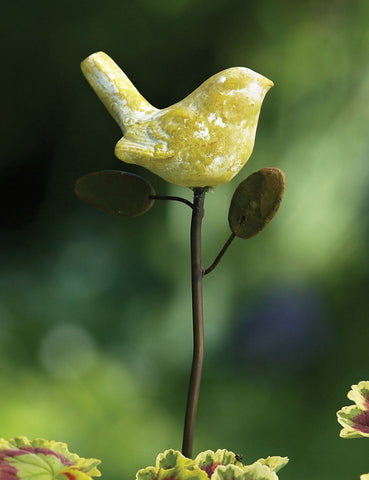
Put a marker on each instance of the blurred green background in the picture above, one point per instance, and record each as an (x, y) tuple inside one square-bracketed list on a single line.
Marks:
[(95, 314)]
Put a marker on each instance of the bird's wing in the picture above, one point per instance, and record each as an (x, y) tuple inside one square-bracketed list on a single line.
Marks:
[(136, 144), (174, 130), (171, 122), (162, 137)]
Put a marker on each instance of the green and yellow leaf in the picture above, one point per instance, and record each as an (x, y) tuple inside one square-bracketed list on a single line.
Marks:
[(40, 459), (219, 465), (355, 418)]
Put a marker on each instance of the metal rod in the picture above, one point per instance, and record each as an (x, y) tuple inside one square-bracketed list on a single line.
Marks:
[(198, 321)]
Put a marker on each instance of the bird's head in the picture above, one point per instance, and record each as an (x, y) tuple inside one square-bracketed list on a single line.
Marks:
[(234, 93)]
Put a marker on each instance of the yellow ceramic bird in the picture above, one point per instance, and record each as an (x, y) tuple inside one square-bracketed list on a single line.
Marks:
[(201, 141)]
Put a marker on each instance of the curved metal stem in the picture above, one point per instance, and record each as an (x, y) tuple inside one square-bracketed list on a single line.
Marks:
[(220, 255), (171, 197), (198, 321)]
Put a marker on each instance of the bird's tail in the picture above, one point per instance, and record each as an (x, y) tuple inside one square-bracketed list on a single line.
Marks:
[(125, 104)]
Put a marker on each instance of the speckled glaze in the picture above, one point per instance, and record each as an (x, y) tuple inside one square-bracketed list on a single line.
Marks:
[(202, 141)]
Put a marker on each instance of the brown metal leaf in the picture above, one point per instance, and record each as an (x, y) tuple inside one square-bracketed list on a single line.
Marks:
[(116, 192), (256, 201)]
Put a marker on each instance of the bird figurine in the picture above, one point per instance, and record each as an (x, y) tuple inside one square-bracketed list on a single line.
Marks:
[(202, 141)]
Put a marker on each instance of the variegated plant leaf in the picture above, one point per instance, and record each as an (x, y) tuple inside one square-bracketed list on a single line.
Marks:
[(355, 422), (208, 461), (40, 459), (360, 395), (355, 418), (172, 465), (219, 465), (256, 471), (274, 463)]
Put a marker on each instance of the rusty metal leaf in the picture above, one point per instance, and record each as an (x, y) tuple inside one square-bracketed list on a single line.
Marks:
[(255, 202), (116, 192)]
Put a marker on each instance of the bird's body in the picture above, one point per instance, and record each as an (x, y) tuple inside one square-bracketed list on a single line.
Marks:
[(203, 140)]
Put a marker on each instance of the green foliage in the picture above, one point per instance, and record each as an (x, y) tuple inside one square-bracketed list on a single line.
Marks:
[(25, 459), (219, 465), (355, 418)]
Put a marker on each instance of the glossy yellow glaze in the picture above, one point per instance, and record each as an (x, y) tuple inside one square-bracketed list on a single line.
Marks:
[(202, 141)]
